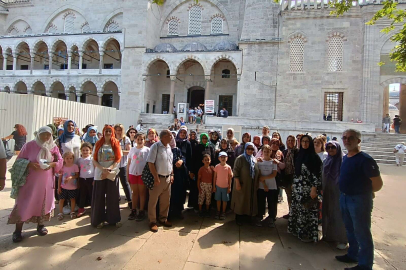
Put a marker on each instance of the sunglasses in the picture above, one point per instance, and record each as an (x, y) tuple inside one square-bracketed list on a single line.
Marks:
[(331, 147), (250, 149)]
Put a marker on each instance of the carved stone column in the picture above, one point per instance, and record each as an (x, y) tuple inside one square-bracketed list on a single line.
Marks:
[(172, 94)]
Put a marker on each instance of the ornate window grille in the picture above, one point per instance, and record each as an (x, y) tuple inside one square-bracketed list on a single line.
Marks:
[(335, 53), (173, 27), (69, 26), (217, 25), (52, 29), (195, 20), (296, 54), (113, 27), (333, 106)]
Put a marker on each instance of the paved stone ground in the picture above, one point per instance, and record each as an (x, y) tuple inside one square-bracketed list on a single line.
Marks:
[(198, 243)]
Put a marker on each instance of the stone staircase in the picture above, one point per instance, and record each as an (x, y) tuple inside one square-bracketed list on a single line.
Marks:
[(381, 147), (156, 121)]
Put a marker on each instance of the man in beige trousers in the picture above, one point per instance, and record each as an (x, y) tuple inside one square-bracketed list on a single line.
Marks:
[(160, 164)]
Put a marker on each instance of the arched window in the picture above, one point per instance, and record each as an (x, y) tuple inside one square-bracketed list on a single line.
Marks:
[(225, 73), (52, 29), (195, 20), (85, 28), (173, 27), (69, 25), (296, 55), (335, 53), (217, 25), (113, 26)]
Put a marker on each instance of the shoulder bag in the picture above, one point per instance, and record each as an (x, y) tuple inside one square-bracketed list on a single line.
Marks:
[(146, 176)]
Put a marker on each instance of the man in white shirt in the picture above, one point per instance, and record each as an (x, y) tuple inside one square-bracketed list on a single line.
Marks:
[(160, 160), (400, 153), (3, 166)]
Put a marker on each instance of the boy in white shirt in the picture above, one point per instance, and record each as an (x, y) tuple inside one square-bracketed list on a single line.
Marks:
[(267, 189)]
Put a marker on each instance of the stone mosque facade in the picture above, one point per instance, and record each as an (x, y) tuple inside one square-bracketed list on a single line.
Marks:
[(275, 63)]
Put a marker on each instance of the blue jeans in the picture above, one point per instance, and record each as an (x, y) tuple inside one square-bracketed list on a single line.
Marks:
[(356, 211), (397, 129)]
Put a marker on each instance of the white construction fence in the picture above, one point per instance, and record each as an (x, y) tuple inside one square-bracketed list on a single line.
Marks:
[(34, 111)]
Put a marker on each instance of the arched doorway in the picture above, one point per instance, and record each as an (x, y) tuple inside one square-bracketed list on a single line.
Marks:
[(20, 88), (195, 96), (157, 88)]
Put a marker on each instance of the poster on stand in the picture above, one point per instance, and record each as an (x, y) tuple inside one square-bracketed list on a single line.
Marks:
[(209, 106)]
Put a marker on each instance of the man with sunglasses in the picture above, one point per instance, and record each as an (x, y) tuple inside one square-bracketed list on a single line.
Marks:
[(359, 180)]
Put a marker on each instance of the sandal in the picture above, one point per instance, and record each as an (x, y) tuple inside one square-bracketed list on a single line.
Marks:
[(100, 226), (42, 231), (72, 215), (60, 216), (17, 237)]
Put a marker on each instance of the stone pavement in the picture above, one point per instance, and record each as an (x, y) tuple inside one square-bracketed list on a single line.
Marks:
[(198, 243)]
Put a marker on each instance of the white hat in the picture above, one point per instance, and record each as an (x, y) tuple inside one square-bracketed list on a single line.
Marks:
[(223, 154)]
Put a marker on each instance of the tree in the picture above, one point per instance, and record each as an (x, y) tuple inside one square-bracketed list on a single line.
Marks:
[(395, 15)]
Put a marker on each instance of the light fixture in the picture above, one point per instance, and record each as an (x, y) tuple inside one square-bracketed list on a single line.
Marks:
[(159, 74)]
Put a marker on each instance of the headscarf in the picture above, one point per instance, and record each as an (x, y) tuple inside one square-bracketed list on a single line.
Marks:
[(172, 143), (257, 145), (89, 139), (115, 145), (308, 157), (332, 164), (214, 142), (228, 146), (54, 132), (250, 158), (232, 130), (46, 147), (201, 141), (178, 139), (155, 135), (242, 139), (289, 159), (67, 135)]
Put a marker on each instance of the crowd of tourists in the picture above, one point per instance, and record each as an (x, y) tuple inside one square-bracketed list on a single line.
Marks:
[(329, 195)]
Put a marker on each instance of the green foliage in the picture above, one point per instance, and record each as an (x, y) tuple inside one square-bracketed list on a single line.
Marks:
[(395, 16)]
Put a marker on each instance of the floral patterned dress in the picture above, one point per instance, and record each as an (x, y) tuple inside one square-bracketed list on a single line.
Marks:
[(303, 221)]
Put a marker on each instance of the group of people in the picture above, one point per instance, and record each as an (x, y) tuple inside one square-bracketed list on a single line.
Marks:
[(396, 123), (324, 188)]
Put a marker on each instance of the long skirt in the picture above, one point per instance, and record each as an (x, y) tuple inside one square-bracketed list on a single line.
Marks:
[(333, 225), (105, 203)]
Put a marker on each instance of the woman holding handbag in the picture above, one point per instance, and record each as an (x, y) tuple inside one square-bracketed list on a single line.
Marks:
[(105, 203)]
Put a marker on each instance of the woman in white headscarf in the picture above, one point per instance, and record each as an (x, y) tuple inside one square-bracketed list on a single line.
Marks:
[(35, 201)]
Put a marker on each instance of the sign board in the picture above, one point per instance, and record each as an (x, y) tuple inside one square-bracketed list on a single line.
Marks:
[(182, 111), (209, 106)]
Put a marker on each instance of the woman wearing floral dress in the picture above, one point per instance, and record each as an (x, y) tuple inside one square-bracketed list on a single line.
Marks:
[(303, 220)]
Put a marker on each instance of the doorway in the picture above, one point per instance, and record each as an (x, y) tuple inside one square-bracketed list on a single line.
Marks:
[(226, 102), (195, 96)]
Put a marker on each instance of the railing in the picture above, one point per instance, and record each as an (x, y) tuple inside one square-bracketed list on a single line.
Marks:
[(321, 4)]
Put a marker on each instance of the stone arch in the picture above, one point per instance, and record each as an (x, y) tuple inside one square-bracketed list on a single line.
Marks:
[(336, 34), (7, 88), (15, 20), (18, 82), (111, 94), (201, 84), (65, 8), (39, 41), (109, 17), (103, 44), (105, 82), (55, 42), (34, 86), (89, 80), (174, 4), (157, 58), (86, 42), (222, 57), (53, 82), (386, 83), (189, 57), (20, 42), (297, 35)]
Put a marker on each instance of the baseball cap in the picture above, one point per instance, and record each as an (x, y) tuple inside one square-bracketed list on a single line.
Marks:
[(222, 154)]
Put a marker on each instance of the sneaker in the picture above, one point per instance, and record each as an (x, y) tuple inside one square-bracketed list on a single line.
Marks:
[(133, 215), (342, 246), (81, 212), (141, 216), (153, 227), (345, 259), (100, 226), (222, 216), (72, 215), (217, 216)]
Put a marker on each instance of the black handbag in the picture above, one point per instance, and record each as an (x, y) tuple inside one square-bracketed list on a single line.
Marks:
[(147, 177)]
